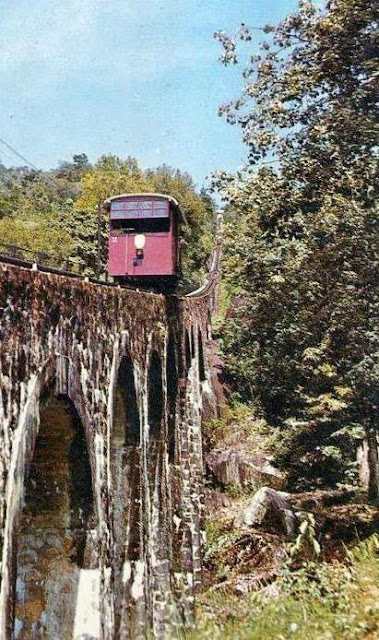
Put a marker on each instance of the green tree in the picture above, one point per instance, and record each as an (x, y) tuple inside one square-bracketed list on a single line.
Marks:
[(301, 236), (32, 210), (73, 171)]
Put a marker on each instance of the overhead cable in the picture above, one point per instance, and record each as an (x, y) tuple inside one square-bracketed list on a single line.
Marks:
[(47, 177), (19, 155)]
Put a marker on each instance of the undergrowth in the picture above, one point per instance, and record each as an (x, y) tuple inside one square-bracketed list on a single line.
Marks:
[(312, 600), (241, 421)]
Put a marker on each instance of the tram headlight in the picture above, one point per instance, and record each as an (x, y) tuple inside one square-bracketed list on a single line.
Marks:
[(139, 243)]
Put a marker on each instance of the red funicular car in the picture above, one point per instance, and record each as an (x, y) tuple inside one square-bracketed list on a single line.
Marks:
[(144, 237)]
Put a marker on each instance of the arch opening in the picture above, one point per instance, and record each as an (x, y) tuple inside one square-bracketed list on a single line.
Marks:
[(192, 343), (126, 429), (155, 395), (188, 351), (202, 376), (54, 538)]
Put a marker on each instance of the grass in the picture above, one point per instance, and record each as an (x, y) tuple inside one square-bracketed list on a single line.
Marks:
[(316, 601)]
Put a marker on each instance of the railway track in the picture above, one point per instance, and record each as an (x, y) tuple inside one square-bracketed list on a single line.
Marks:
[(215, 270)]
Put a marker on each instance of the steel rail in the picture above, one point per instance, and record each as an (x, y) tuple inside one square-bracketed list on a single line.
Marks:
[(215, 270)]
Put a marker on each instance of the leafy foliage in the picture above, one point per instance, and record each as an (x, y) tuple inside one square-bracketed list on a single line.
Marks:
[(302, 235), (306, 542)]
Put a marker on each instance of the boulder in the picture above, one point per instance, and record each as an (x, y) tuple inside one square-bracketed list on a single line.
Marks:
[(236, 466), (271, 511)]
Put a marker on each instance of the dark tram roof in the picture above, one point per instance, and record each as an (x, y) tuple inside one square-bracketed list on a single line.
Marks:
[(170, 199)]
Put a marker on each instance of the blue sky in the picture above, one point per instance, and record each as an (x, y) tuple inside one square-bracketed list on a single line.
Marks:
[(129, 77)]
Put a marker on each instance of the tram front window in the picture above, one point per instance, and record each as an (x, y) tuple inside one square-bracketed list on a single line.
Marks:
[(146, 225)]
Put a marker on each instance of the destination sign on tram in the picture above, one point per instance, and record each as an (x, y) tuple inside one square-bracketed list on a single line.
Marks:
[(135, 209)]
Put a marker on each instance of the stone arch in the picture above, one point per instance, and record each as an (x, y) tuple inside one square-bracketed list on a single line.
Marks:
[(54, 538), (155, 395), (202, 376)]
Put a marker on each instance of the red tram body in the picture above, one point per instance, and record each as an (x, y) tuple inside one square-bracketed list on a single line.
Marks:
[(144, 232)]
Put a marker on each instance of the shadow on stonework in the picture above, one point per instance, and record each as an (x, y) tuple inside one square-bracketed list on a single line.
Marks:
[(53, 561), (126, 490), (125, 463), (172, 393), (155, 396), (155, 414), (188, 352)]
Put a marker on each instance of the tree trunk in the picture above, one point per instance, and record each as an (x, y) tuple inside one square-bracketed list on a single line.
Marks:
[(373, 465)]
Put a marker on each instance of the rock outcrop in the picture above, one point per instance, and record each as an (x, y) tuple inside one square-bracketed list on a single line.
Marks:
[(238, 466), (271, 510)]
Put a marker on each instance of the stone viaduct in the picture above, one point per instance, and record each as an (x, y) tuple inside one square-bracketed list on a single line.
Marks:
[(102, 392)]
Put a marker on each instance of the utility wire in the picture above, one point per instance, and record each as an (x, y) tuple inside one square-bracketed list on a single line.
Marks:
[(52, 180), (5, 154), (19, 155)]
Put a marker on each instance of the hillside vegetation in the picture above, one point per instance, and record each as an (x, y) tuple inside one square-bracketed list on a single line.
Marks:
[(301, 336)]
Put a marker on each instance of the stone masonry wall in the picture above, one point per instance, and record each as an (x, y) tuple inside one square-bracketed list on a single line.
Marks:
[(143, 548)]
